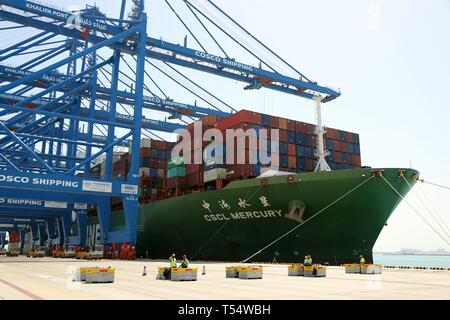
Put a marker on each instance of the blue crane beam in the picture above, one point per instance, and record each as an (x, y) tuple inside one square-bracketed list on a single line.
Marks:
[(150, 124), (153, 103), (194, 59)]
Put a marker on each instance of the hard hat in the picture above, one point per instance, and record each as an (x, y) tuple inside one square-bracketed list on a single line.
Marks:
[(184, 256)]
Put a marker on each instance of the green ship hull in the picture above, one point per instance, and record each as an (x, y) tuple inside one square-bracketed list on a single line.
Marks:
[(336, 220), (333, 216)]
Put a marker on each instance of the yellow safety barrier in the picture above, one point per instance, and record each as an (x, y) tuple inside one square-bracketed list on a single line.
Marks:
[(352, 268), (296, 270), (245, 269), (183, 274), (95, 274), (315, 271), (181, 270), (250, 272)]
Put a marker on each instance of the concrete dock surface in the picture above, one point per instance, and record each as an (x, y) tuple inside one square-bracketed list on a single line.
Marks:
[(51, 279)]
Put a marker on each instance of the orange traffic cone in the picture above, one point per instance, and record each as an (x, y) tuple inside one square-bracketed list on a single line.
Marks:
[(144, 273), (204, 270)]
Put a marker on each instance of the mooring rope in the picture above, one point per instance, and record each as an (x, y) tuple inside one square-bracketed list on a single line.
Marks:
[(440, 223), (415, 210), (313, 216), (435, 184)]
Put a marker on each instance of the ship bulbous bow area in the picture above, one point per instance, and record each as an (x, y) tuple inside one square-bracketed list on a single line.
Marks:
[(332, 216)]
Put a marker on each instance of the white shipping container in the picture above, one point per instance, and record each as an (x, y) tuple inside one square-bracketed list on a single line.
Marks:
[(146, 143), (161, 173), (102, 168), (214, 174), (144, 172)]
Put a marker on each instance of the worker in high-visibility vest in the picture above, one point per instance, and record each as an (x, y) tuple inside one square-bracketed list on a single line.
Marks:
[(184, 262), (173, 261), (362, 260), (307, 261)]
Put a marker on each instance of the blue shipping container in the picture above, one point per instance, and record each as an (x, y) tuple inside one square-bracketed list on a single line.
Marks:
[(356, 149), (145, 162), (283, 148), (309, 152), (330, 144), (342, 135), (298, 138), (153, 172), (284, 162), (256, 169), (154, 153), (300, 163), (291, 137), (161, 155), (350, 147), (265, 120), (345, 157)]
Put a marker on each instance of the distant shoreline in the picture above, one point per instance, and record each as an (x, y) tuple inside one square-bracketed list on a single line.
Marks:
[(447, 254)]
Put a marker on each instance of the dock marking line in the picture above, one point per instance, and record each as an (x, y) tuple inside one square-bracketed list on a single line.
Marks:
[(25, 292)]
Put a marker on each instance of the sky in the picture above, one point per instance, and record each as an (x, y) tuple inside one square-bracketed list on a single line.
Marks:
[(388, 58)]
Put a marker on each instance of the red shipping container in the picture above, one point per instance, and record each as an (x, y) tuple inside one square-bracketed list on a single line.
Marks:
[(175, 182), (337, 157), (157, 144), (292, 160), (349, 137), (332, 133), (193, 168), (337, 145), (161, 164), (309, 164), (355, 160), (304, 127), (283, 135), (239, 117), (145, 152), (193, 180), (291, 149), (300, 127), (290, 125), (209, 120), (274, 122), (282, 123)]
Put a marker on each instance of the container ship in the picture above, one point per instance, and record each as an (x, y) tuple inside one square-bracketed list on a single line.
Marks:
[(233, 212)]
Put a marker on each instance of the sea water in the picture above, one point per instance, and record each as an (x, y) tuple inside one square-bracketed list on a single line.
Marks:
[(412, 260)]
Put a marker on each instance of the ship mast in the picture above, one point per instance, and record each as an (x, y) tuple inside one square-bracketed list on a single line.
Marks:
[(320, 153)]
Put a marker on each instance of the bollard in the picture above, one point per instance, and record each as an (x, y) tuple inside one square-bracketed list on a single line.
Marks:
[(203, 271), (144, 273)]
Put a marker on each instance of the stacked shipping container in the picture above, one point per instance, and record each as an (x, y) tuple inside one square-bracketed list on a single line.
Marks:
[(160, 178)]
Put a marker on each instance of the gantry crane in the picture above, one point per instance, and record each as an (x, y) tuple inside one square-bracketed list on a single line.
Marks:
[(47, 116)]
